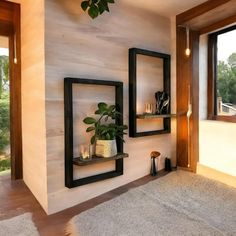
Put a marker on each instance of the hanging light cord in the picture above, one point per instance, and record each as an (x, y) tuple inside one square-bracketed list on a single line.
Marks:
[(15, 52)]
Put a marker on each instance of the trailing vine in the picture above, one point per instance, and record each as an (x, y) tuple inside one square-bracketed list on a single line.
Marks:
[(96, 7)]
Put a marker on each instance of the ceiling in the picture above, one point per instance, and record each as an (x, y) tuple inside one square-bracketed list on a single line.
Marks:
[(165, 7)]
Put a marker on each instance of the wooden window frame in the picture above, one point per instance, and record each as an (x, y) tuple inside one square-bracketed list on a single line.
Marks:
[(212, 73)]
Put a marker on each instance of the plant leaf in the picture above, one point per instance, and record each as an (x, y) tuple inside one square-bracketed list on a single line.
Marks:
[(101, 7), (93, 11), (110, 1), (108, 136), (89, 120), (111, 109), (102, 106), (97, 112), (89, 129), (85, 5), (93, 139)]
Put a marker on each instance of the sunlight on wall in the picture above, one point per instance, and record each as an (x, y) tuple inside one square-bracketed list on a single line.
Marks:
[(217, 146)]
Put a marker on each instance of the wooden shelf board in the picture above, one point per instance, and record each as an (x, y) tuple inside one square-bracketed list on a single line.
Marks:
[(152, 116), (77, 161)]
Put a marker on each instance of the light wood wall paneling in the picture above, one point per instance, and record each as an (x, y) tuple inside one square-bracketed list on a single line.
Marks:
[(96, 49)]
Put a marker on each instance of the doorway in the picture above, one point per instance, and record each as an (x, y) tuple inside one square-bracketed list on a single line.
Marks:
[(5, 150), (10, 90)]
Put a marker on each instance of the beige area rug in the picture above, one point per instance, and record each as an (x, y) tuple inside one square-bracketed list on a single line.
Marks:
[(21, 225), (180, 203)]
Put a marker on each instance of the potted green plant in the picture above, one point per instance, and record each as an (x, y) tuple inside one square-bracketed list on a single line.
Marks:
[(105, 131)]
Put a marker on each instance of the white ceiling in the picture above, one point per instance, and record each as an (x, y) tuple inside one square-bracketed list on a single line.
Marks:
[(165, 7)]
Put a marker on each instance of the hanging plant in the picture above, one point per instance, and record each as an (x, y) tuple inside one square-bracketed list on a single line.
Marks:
[(96, 7)]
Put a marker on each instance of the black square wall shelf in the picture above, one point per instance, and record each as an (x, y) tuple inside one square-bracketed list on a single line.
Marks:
[(133, 116), (70, 160)]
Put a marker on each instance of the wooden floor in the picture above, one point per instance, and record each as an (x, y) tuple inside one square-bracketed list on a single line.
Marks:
[(17, 199)]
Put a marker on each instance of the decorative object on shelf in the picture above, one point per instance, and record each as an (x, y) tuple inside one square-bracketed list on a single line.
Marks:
[(162, 102), (106, 148), (85, 152), (168, 164), (96, 7), (105, 132), (154, 155), (70, 159), (164, 66), (149, 108)]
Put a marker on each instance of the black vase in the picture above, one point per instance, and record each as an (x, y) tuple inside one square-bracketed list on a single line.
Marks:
[(168, 164)]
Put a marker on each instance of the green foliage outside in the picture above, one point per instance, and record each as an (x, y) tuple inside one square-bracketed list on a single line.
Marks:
[(5, 164), (103, 129), (4, 74), (4, 114), (226, 80), (4, 121)]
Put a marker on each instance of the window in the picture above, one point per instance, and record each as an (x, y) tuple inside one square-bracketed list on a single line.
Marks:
[(222, 75)]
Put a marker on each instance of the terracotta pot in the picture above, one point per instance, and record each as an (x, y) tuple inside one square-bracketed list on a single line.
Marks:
[(106, 148)]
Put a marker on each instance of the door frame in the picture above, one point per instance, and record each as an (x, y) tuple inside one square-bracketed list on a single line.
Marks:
[(10, 27)]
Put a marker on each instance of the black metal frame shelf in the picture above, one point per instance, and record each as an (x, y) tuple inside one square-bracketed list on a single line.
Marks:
[(133, 116), (70, 182), (84, 162)]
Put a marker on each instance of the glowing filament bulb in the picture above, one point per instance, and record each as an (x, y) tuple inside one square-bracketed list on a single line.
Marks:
[(187, 50)]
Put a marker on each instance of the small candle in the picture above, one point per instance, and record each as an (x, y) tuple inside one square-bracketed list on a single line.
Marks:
[(148, 108), (84, 150)]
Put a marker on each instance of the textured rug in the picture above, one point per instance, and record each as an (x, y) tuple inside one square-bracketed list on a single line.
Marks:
[(21, 225), (180, 203)]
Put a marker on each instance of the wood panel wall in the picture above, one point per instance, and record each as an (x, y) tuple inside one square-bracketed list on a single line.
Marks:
[(97, 49)]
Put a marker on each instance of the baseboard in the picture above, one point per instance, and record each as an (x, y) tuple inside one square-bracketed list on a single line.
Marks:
[(184, 168), (216, 175)]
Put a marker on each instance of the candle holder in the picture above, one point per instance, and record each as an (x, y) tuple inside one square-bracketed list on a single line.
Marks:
[(149, 108), (85, 152)]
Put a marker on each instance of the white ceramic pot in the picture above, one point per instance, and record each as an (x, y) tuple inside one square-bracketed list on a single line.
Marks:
[(106, 148)]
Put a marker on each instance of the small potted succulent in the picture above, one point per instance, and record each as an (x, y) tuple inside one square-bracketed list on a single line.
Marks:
[(105, 131)]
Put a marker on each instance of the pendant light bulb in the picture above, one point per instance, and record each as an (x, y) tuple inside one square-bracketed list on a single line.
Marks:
[(15, 53), (187, 52)]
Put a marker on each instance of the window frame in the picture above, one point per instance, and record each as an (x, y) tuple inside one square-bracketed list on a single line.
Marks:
[(212, 77)]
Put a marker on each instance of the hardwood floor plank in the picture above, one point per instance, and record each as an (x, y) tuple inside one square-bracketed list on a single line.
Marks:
[(18, 199)]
